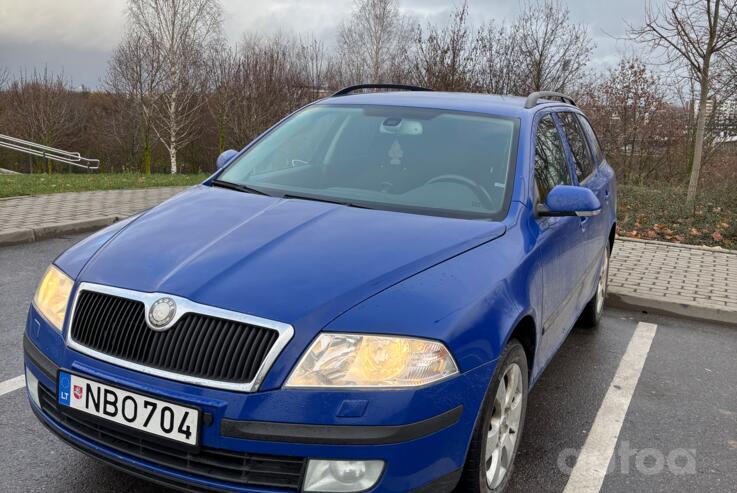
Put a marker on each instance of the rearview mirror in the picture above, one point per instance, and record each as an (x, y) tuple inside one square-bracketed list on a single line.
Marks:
[(225, 157), (567, 200)]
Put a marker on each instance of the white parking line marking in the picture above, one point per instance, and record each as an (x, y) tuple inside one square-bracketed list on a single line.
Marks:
[(591, 466), (13, 384)]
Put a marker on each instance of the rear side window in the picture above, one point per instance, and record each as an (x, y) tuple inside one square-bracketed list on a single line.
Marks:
[(582, 160), (551, 168), (593, 140)]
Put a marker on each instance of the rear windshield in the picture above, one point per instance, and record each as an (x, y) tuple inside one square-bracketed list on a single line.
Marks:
[(385, 157)]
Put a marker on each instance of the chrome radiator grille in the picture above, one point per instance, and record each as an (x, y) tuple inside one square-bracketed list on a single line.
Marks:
[(196, 345)]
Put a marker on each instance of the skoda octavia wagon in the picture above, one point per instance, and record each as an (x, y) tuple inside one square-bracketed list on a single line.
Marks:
[(359, 300)]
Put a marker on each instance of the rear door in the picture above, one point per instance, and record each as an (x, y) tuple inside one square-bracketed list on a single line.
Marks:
[(560, 240), (587, 175), (601, 180)]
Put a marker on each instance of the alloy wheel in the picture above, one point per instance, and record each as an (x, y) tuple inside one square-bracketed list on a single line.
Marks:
[(504, 426)]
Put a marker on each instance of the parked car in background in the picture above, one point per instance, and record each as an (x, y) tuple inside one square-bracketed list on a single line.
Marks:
[(360, 300)]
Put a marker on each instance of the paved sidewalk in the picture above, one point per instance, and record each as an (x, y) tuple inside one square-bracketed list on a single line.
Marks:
[(692, 281), (32, 218), (684, 280)]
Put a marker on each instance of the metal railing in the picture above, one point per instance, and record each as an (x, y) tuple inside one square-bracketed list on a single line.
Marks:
[(46, 152)]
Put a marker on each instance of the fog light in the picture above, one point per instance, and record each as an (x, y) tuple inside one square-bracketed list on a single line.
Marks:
[(342, 475), (32, 385)]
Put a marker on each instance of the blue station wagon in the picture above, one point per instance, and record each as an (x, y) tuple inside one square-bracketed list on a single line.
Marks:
[(360, 300)]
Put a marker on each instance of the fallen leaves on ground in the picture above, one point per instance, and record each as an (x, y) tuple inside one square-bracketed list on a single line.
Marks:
[(659, 213)]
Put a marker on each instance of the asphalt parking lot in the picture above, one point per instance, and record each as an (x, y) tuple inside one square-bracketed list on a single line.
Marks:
[(679, 432)]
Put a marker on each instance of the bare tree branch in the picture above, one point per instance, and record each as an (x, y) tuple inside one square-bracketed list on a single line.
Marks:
[(43, 109), (695, 33), (372, 41), (180, 35)]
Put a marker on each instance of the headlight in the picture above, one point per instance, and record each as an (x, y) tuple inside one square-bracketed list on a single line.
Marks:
[(52, 296), (354, 360)]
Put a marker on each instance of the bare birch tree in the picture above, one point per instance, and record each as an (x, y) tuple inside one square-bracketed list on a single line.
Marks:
[(553, 51), (372, 40), (693, 34), (179, 33)]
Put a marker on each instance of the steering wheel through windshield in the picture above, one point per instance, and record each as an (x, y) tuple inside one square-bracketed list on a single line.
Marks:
[(480, 191)]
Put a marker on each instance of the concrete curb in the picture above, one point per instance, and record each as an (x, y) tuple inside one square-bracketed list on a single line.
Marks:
[(664, 307), (14, 237), (679, 245)]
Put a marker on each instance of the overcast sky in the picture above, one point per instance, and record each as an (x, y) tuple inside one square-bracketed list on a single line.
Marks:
[(77, 36)]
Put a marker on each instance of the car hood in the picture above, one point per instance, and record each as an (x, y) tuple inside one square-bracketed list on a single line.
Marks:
[(296, 261)]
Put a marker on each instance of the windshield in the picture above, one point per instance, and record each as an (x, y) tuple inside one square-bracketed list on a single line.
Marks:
[(395, 158)]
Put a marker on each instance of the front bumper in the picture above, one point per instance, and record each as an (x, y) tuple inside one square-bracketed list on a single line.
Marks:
[(422, 435)]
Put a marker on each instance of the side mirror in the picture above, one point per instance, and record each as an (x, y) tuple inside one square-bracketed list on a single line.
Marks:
[(225, 158), (567, 200)]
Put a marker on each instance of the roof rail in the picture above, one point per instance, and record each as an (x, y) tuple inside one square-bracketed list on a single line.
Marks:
[(358, 87), (533, 98)]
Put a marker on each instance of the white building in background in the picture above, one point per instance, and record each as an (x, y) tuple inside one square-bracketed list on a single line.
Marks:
[(723, 119), (728, 110)]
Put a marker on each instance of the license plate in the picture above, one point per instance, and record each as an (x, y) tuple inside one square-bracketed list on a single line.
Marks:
[(136, 411)]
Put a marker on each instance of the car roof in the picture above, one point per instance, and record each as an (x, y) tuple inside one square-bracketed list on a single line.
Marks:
[(491, 104)]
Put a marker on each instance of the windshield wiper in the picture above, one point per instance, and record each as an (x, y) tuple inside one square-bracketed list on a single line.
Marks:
[(239, 187), (248, 189), (324, 199)]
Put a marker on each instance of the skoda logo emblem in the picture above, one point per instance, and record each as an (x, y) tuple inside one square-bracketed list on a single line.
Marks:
[(161, 313)]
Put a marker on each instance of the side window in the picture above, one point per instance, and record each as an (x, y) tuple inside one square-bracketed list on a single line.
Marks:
[(593, 140), (579, 148), (551, 168)]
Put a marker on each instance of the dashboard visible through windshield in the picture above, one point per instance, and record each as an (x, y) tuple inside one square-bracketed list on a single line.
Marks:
[(420, 160)]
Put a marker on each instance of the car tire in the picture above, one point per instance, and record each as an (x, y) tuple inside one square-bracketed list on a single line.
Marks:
[(495, 420), (591, 315)]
